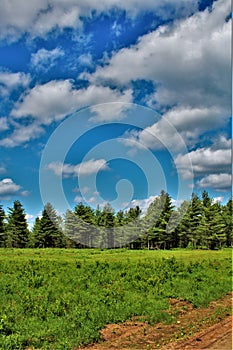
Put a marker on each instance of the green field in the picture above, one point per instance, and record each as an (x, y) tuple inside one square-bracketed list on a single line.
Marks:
[(61, 298)]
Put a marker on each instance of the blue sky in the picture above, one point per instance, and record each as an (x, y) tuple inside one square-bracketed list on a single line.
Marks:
[(114, 101)]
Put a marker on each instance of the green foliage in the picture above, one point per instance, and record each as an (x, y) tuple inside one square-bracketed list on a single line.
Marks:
[(60, 299), (17, 228), (47, 229), (197, 223), (3, 236)]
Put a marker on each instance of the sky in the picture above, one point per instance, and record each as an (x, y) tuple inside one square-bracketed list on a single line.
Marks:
[(113, 101)]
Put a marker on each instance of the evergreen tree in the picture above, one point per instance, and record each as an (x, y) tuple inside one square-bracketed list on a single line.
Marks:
[(228, 222), (183, 227), (17, 227), (133, 228), (156, 220), (49, 231), (211, 230), (70, 230), (2, 228), (152, 235), (120, 222), (218, 237), (34, 236), (195, 216), (107, 221), (86, 233)]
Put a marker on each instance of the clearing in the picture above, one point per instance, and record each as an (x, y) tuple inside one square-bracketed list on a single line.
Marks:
[(205, 328)]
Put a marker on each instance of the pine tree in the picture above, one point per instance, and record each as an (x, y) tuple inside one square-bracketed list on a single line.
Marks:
[(156, 222), (195, 216), (17, 227), (183, 227), (133, 228), (49, 231), (228, 222), (86, 233), (218, 235), (107, 221), (34, 236), (70, 229), (152, 235), (2, 228)]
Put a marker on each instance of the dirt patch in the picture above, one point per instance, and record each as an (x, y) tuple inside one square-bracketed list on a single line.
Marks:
[(208, 328)]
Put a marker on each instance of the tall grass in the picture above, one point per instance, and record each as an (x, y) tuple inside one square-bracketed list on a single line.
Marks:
[(60, 299)]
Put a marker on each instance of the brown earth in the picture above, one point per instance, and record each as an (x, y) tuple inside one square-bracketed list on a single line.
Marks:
[(207, 328)]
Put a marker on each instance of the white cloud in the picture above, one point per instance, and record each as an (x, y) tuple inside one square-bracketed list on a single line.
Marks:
[(178, 127), (10, 81), (22, 134), (44, 59), (204, 161), (89, 201), (57, 17), (142, 203), (8, 188), (113, 111), (40, 17), (55, 99), (85, 60), (25, 193), (191, 122), (3, 124), (189, 62), (218, 199), (91, 166), (218, 182)]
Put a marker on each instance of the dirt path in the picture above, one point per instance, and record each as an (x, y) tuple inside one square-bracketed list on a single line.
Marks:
[(216, 337), (209, 328)]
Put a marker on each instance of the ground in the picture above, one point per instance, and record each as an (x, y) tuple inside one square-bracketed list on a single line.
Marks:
[(207, 328)]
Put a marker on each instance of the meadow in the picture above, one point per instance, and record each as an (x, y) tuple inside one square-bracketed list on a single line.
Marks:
[(61, 298)]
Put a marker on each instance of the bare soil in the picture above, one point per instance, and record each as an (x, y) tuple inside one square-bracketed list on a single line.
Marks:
[(207, 328)]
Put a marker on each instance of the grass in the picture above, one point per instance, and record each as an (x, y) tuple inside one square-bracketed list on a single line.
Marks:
[(60, 299)]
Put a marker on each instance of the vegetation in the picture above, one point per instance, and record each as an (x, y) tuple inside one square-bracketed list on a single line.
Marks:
[(60, 298), (198, 223)]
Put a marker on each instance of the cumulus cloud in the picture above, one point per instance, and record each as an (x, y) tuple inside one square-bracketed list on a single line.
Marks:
[(178, 127), (91, 166), (218, 199), (142, 203), (22, 134), (189, 63), (41, 17), (44, 59), (219, 182), (3, 124), (8, 188), (204, 161), (10, 81), (54, 100), (89, 200)]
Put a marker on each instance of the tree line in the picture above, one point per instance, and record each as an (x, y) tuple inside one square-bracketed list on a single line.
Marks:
[(197, 223)]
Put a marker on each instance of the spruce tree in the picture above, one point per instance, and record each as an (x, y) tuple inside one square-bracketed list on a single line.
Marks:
[(228, 222), (195, 216), (156, 221), (34, 236), (107, 221), (49, 232), (85, 230), (17, 227), (183, 227)]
